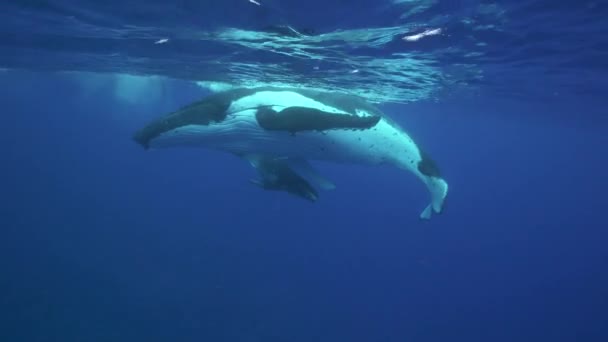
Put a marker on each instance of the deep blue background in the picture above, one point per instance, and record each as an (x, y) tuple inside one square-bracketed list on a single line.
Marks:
[(102, 241)]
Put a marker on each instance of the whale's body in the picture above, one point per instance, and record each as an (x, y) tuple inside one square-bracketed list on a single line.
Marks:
[(294, 124)]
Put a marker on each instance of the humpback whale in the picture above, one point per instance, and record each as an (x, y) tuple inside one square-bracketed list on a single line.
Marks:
[(276, 174), (288, 174), (279, 129)]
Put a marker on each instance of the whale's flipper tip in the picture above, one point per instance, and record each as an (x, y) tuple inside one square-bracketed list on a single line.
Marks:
[(426, 213)]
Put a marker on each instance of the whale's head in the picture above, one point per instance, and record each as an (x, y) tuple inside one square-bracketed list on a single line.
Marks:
[(174, 127)]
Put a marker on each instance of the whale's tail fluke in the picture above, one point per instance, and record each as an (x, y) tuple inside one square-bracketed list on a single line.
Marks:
[(438, 189)]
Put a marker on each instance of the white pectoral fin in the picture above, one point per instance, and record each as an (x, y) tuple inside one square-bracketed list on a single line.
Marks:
[(304, 169), (253, 159), (256, 182)]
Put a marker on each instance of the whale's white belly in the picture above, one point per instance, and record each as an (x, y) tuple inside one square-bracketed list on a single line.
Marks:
[(240, 133)]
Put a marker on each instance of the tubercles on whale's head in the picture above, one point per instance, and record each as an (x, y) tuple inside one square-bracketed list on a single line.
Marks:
[(211, 109)]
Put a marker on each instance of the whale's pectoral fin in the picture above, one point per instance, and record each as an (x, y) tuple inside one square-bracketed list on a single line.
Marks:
[(297, 119), (257, 182), (427, 213)]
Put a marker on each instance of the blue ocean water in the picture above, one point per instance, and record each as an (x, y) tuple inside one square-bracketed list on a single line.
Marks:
[(103, 241)]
